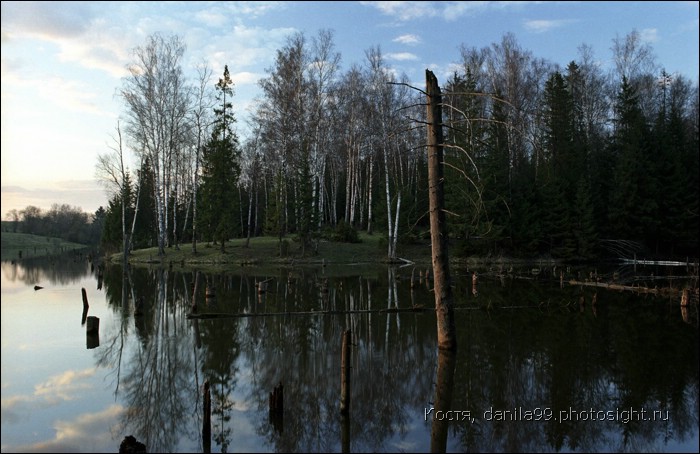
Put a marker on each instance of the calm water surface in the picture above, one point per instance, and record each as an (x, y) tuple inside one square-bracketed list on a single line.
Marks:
[(535, 369)]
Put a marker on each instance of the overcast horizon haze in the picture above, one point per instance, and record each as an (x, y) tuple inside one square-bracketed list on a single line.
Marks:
[(63, 62)]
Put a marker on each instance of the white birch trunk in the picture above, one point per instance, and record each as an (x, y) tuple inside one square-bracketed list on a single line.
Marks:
[(390, 230), (369, 196)]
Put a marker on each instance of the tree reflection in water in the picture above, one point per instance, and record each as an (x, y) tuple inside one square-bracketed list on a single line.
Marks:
[(441, 411), (544, 356)]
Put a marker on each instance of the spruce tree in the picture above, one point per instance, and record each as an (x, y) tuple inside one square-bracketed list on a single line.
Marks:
[(218, 202), (146, 228), (629, 205), (583, 221)]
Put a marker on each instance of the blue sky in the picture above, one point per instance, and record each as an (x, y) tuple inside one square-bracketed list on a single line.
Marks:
[(63, 61)]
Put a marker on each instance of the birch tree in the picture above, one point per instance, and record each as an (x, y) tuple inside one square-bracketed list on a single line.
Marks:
[(382, 95), (281, 115), (353, 133), (199, 119), (322, 73), (112, 172), (155, 98)]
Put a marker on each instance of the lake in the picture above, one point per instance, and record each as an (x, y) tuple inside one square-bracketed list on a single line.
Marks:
[(539, 367)]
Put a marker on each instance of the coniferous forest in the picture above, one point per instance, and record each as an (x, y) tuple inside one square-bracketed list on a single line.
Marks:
[(572, 163)]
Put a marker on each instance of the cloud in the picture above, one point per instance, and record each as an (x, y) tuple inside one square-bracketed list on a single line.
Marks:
[(212, 17), (107, 54), (52, 20), (71, 95), (405, 11), (64, 386), (242, 47), (410, 10), (649, 35), (401, 56), (455, 10), (88, 432), (542, 25), (85, 194), (75, 28), (245, 78), (12, 409), (254, 9), (61, 387), (407, 39)]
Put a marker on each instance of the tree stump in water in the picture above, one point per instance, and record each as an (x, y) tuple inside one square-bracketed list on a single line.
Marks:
[(131, 445)]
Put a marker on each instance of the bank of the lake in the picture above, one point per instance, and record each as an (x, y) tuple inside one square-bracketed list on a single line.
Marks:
[(24, 245), (270, 251)]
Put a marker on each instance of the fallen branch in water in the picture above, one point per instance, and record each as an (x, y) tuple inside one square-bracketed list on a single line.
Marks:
[(273, 314), (633, 288)]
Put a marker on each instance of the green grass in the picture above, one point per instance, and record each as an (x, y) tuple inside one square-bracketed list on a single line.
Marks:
[(33, 245), (266, 251)]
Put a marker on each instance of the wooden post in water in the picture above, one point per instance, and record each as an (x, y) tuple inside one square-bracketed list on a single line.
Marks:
[(446, 335), (92, 332), (83, 319), (685, 297), (345, 376), (206, 420), (85, 300), (93, 325), (277, 407)]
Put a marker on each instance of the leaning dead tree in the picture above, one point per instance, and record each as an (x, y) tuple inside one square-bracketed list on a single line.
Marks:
[(444, 302)]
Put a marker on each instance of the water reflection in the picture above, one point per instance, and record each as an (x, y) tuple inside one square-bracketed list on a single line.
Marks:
[(535, 369), (441, 411), (56, 270), (531, 377)]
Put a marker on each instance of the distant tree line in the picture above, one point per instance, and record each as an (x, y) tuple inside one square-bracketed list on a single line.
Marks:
[(540, 160), (61, 221)]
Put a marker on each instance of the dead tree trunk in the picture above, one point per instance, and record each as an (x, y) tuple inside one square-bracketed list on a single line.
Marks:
[(444, 303)]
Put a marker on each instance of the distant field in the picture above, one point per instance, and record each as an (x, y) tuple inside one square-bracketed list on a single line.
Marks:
[(33, 245)]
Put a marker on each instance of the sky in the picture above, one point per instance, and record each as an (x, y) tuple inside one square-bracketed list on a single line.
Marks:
[(63, 62)]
